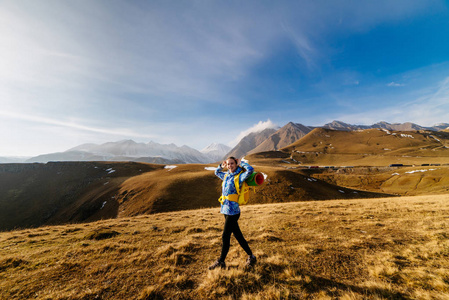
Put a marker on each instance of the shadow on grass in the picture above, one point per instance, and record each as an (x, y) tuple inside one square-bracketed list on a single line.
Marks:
[(318, 283)]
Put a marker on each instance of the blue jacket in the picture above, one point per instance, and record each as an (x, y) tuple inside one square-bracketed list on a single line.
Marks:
[(231, 207)]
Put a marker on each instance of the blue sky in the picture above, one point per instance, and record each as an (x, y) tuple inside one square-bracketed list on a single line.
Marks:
[(197, 72)]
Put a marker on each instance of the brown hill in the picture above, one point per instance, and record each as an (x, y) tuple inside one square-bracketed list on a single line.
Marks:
[(250, 142), (391, 180), (57, 193), (192, 187), (40, 194), (285, 136), (370, 147)]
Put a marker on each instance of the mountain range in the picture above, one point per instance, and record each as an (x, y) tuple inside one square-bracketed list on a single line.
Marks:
[(266, 140), (271, 140), (407, 126), (129, 150)]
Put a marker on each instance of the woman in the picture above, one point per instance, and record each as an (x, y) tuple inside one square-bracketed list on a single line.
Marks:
[(231, 210)]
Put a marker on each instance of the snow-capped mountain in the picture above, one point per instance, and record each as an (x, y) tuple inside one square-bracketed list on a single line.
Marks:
[(216, 151), (127, 150), (441, 126)]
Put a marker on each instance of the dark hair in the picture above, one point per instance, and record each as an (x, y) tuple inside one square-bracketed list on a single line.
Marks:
[(232, 157)]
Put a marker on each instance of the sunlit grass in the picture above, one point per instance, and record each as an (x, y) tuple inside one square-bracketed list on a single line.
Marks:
[(388, 248)]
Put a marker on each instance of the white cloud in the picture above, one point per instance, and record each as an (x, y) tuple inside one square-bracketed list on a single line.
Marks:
[(73, 125), (303, 46), (431, 108), (255, 128), (395, 84)]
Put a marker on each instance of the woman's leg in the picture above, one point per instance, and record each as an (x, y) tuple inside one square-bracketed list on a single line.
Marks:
[(226, 236), (231, 226), (239, 236)]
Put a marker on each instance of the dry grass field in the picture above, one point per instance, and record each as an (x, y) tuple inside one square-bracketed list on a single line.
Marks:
[(406, 181), (384, 248), (371, 147)]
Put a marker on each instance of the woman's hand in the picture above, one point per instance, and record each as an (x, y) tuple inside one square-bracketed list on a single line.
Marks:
[(224, 164)]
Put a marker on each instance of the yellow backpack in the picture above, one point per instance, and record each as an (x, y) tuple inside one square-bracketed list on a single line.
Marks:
[(243, 192)]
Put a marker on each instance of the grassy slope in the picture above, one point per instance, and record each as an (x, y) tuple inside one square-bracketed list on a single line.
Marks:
[(191, 187), (37, 194), (389, 248), (372, 147), (58, 193), (399, 181), (87, 192)]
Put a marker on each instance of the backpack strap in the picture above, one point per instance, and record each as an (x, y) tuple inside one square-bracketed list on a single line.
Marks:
[(232, 197), (237, 182)]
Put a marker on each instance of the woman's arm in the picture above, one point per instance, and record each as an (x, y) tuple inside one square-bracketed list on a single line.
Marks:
[(248, 171), (219, 172)]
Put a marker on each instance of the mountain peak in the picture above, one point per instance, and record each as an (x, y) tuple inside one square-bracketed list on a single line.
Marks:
[(216, 151), (215, 147), (127, 142), (282, 137), (339, 125), (250, 142)]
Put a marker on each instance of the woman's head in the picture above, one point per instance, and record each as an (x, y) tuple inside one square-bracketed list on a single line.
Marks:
[(232, 164)]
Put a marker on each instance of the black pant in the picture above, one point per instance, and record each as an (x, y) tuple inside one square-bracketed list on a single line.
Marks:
[(232, 226)]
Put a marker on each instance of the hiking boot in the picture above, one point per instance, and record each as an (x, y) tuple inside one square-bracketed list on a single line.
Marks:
[(251, 261), (217, 264)]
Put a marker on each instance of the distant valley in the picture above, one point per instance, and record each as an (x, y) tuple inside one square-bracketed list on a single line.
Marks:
[(266, 140)]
